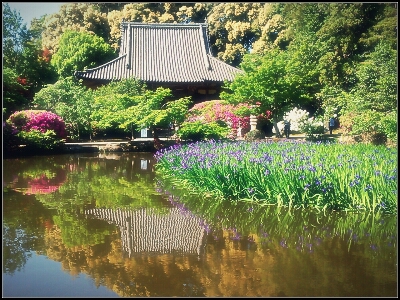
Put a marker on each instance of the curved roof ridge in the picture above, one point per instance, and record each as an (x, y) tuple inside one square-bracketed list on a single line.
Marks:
[(227, 65), (106, 64)]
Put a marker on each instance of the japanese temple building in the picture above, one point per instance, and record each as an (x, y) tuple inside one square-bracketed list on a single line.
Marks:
[(175, 56)]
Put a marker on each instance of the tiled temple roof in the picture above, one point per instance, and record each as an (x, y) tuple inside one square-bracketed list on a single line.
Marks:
[(163, 53)]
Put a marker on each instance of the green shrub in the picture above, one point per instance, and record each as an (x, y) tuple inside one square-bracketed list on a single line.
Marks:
[(197, 131), (388, 125), (254, 135), (313, 128), (372, 126), (36, 140)]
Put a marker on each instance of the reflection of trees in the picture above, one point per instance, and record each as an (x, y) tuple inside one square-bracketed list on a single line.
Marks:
[(249, 250), (14, 249), (90, 181), (99, 182), (76, 230), (21, 235), (106, 183), (43, 177), (227, 267)]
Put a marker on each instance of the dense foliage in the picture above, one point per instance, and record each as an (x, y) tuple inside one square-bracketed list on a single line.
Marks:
[(327, 58), (129, 105), (79, 51), (267, 84), (295, 174), (197, 131), (14, 92), (120, 107), (26, 65), (70, 100)]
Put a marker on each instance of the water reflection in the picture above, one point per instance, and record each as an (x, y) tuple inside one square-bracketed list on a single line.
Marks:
[(303, 230), (145, 230), (109, 218)]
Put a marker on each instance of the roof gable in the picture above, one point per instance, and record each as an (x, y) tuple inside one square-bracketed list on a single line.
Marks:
[(163, 53)]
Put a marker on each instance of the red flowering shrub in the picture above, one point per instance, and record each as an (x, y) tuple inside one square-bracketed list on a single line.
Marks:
[(217, 110), (22, 81), (46, 55)]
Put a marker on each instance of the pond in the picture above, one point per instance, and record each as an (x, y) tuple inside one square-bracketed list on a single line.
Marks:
[(104, 225)]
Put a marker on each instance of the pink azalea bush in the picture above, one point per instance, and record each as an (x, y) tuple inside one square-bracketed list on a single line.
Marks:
[(40, 120), (217, 110), (37, 129)]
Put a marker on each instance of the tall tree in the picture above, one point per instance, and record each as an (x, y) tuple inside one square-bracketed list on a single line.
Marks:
[(36, 68), (156, 13), (112, 101), (274, 27), (278, 80), (80, 50), (264, 86), (128, 105), (24, 59), (14, 93), (82, 17), (233, 27), (383, 20), (371, 106), (70, 100), (341, 31), (15, 35)]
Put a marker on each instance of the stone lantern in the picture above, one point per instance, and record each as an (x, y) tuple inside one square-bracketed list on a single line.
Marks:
[(253, 122)]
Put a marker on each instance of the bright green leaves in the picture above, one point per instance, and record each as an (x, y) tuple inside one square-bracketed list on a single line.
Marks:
[(268, 83), (127, 103), (78, 51)]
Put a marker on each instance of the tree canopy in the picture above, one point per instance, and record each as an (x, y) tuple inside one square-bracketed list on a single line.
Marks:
[(26, 66), (79, 51), (318, 55), (129, 105), (81, 17)]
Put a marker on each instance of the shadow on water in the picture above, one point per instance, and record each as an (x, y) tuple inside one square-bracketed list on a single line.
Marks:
[(115, 230)]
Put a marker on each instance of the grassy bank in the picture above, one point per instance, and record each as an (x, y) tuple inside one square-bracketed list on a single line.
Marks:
[(292, 173)]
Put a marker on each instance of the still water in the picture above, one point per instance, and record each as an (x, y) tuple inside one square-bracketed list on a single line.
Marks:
[(96, 225)]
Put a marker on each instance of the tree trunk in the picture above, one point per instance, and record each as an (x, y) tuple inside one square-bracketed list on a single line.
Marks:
[(157, 142), (275, 122), (77, 129), (90, 131)]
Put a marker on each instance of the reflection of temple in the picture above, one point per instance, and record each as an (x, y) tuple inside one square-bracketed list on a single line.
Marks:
[(145, 230)]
